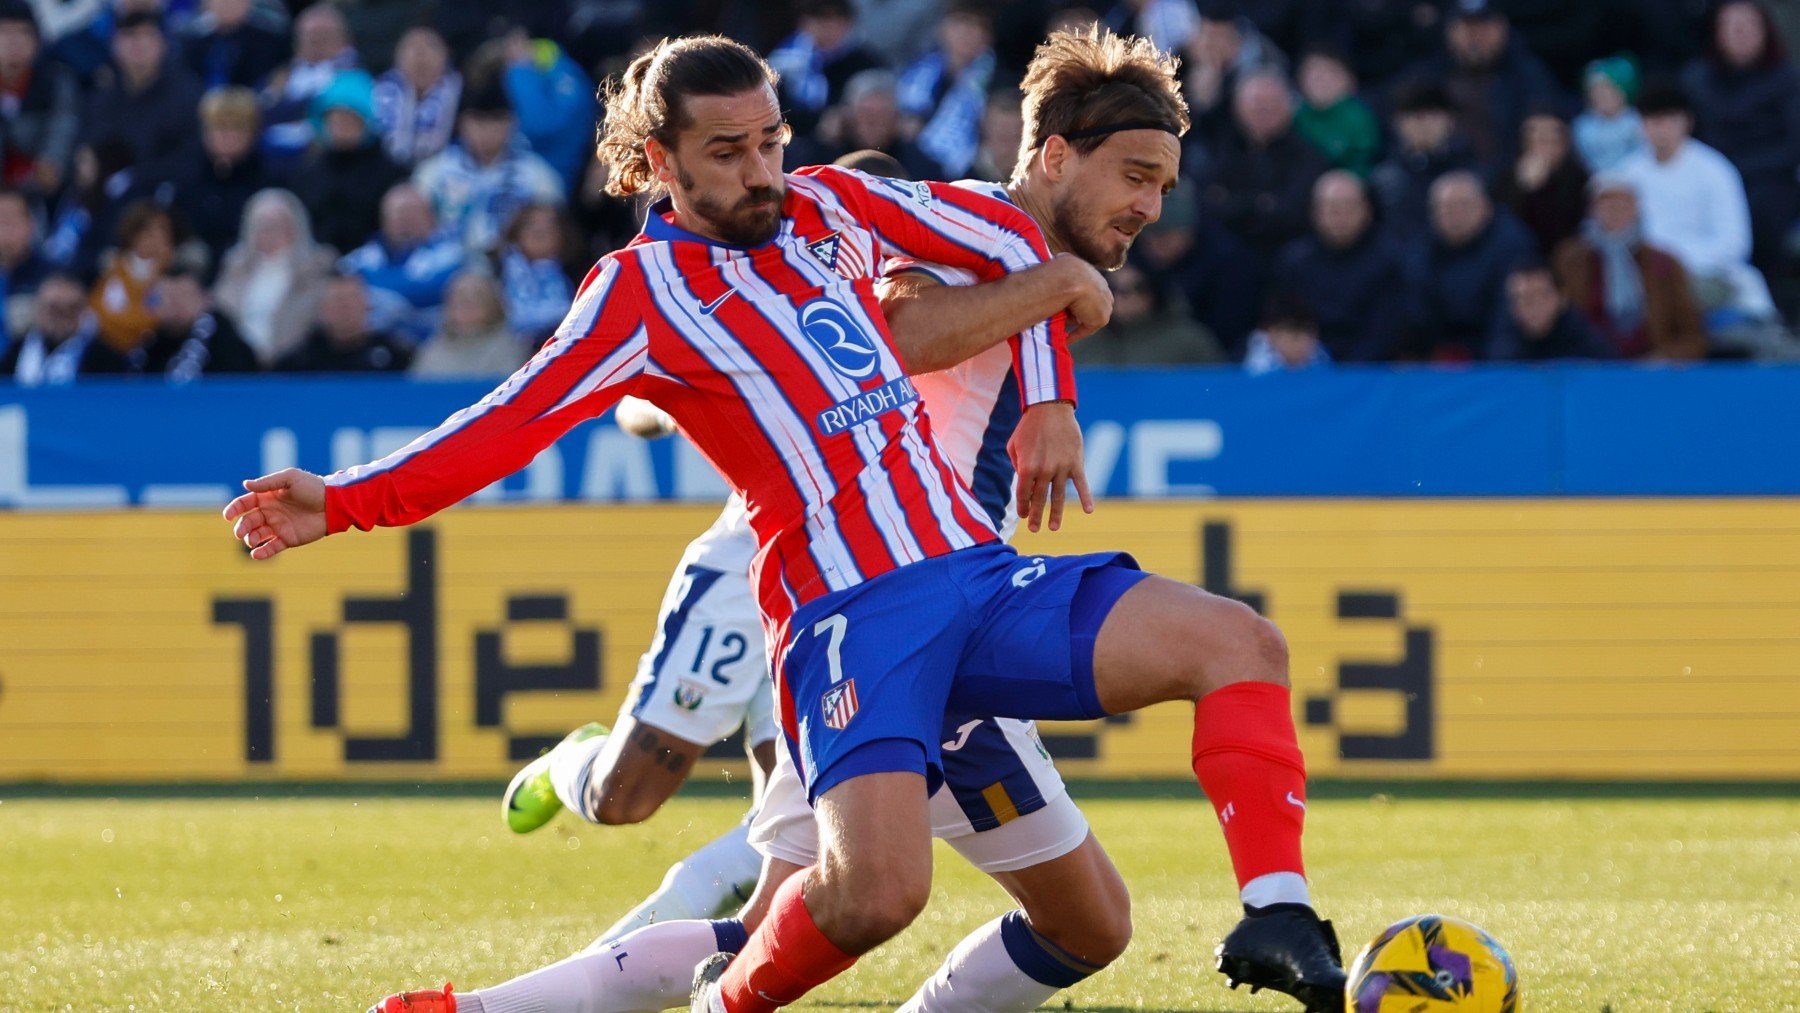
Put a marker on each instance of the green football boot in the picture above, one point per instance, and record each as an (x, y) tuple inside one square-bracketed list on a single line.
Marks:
[(530, 801)]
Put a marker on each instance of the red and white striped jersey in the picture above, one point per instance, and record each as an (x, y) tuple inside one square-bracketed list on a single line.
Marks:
[(776, 362)]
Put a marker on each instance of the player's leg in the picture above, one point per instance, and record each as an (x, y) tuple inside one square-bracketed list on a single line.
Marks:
[(1074, 918), (713, 881), (1136, 640)]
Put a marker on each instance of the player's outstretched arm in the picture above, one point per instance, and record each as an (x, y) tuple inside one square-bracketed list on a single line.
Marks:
[(278, 511), (936, 326)]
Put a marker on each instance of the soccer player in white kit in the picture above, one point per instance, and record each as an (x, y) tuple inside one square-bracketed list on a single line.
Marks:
[(1003, 805)]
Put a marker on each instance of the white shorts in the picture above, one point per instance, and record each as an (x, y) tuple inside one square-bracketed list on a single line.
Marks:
[(707, 671), (974, 816)]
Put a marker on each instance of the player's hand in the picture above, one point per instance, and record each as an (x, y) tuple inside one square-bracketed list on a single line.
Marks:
[(1090, 297), (1046, 450), (279, 511)]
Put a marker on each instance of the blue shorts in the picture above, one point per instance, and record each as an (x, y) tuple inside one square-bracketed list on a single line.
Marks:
[(869, 672)]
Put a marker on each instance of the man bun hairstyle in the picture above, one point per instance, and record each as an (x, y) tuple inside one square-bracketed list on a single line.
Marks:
[(647, 100), (1083, 82)]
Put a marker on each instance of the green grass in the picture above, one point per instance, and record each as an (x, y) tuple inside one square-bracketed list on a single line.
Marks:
[(1635, 902)]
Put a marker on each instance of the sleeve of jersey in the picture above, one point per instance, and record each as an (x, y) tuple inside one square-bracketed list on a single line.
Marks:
[(938, 223), (593, 360)]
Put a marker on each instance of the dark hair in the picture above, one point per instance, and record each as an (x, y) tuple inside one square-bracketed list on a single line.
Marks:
[(1774, 54), (875, 163), (646, 101), (827, 9), (19, 10), (1081, 80), (1531, 265), (1421, 95), (566, 239), (138, 19), (486, 101), (1663, 97), (140, 215), (1288, 308)]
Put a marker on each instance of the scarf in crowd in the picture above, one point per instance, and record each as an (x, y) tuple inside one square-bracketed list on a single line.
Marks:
[(415, 127), (1619, 271), (40, 364)]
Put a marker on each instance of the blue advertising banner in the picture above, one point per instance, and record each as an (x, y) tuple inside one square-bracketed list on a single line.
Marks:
[(1404, 432)]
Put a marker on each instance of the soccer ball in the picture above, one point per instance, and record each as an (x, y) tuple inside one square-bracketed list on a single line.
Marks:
[(1432, 964)]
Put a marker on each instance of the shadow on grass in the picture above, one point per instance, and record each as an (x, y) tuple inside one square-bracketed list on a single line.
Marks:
[(889, 1004)]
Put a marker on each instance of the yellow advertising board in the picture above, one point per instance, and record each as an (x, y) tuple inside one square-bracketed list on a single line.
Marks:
[(1480, 638)]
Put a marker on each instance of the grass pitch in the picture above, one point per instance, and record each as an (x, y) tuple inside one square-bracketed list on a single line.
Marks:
[(1622, 901)]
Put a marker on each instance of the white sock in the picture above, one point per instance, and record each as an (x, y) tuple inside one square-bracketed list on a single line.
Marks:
[(649, 970), (1276, 888), (712, 880), (570, 768), (1002, 967)]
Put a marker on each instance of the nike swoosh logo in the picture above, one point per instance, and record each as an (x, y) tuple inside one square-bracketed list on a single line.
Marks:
[(707, 308), (1295, 801)]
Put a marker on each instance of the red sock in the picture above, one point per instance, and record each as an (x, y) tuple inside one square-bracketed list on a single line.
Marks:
[(786, 957), (1249, 764)]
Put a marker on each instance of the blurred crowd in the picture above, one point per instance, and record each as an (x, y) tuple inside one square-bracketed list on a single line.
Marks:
[(200, 187)]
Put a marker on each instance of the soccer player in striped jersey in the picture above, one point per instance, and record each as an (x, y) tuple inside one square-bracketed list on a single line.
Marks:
[(887, 596)]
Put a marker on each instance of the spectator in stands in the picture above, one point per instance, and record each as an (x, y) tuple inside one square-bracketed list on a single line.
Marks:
[(77, 33), (1382, 37), (554, 100), (1147, 329), (1546, 187), (869, 118), (1171, 24), (473, 339), (343, 341), (818, 60), (84, 220), (121, 298), (345, 173), (943, 93), (534, 273), (1350, 271), (1198, 264), (1746, 98), (1332, 118), (190, 339), (407, 265), (1694, 206), (478, 183), (1491, 77), (415, 102), (147, 100), (322, 48), (1002, 128), (1634, 295), (23, 266), (899, 30), (1459, 275), (1538, 324), (1609, 131), (1225, 51), (40, 106), (1428, 145), (271, 280), (1564, 36), (1288, 340), (63, 341), (211, 191), (603, 221), (1260, 182), (233, 43)]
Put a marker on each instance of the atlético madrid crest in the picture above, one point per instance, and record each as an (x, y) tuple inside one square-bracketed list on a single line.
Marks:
[(839, 705)]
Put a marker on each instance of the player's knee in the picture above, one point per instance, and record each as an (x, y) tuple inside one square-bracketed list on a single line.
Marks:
[(860, 920), (1099, 937), (1268, 649)]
